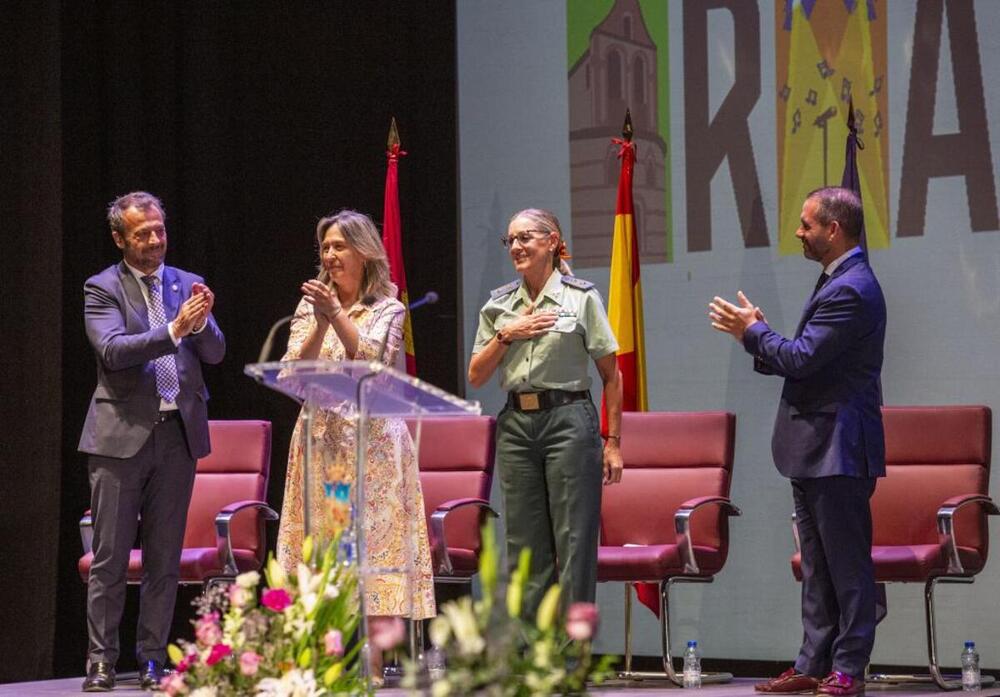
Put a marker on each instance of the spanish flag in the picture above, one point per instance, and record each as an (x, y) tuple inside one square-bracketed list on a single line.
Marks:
[(625, 308), (392, 240)]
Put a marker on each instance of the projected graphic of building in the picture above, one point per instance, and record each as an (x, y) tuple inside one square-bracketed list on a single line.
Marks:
[(617, 71)]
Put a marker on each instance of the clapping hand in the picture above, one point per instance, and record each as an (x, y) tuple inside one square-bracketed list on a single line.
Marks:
[(323, 299), (734, 320)]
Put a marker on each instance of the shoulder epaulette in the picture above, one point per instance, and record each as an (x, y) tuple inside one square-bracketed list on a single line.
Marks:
[(577, 282), (503, 290)]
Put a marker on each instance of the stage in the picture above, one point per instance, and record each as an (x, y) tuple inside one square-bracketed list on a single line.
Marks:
[(740, 687)]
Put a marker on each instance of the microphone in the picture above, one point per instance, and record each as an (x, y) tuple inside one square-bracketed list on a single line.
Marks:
[(265, 350), (429, 299)]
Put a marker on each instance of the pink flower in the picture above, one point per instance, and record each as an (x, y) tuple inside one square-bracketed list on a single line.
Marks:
[(386, 632), (207, 630), (173, 684), (581, 621), (187, 662), (219, 651), (249, 662), (334, 643), (276, 599)]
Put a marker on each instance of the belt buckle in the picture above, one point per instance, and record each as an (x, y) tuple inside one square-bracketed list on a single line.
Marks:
[(528, 401)]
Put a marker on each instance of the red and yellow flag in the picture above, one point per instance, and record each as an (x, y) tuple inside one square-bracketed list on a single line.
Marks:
[(625, 309), (625, 292), (392, 240)]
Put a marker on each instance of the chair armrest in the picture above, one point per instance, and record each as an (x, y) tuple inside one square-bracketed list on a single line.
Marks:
[(795, 533), (223, 539), (682, 526), (437, 527), (87, 532), (946, 525)]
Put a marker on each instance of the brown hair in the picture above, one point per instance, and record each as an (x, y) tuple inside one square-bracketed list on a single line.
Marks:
[(361, 234)]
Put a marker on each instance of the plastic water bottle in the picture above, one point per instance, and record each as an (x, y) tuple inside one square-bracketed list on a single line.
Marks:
[(970, 668), (435, 663), (692, 666)]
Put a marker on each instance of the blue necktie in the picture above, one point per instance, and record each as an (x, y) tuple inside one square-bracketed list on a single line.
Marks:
[(167, 384)]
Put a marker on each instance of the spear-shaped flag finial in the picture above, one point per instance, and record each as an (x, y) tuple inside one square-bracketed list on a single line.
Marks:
[(393, 134), (627, 126)]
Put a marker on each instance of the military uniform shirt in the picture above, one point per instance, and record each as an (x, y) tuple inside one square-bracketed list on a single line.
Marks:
[(557, 359)]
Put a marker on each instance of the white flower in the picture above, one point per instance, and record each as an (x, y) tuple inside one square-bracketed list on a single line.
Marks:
[(294, 683), (463, 623), (332, 591), (440, 688), (440, 631), (207, 691), (249, 580)]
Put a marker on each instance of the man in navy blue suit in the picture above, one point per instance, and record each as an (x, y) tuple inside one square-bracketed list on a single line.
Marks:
[(151, 328), (828, 439)]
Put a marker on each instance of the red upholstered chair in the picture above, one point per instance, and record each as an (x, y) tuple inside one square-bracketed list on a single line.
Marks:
[(667, 521), (456, 473), (225, 525), (929, 514)]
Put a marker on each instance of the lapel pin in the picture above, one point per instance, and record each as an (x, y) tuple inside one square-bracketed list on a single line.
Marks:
[(173, 287)]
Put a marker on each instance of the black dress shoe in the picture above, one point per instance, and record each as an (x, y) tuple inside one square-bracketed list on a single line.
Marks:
[(150, 675), (100, 678)]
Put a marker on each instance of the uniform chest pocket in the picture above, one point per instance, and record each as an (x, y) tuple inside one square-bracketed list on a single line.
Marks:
[(565, 324)]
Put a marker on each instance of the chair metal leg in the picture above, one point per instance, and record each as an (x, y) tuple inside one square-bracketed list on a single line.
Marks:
[(669, 672), (625, 675), (943, 682)]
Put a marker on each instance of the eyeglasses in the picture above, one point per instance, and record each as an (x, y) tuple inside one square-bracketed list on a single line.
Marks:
[(524, 237)]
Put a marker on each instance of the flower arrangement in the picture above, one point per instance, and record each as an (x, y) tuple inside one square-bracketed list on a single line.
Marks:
[(292, 642), (490, 648)]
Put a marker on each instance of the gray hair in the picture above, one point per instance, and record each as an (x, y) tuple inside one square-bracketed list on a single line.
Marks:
[(547, 221), (842, 205), (361, 234), (141, 200)]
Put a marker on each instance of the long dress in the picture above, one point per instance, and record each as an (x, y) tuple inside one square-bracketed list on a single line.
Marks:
[(395, 526)]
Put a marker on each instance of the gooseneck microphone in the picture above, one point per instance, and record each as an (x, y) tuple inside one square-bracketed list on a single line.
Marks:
[(265, 349), (430, 297)]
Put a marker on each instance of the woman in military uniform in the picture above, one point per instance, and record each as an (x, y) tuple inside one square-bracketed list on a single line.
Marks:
[(538, 333)]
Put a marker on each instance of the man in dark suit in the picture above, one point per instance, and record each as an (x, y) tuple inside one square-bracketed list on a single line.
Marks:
[(151, 328), (828, 439)]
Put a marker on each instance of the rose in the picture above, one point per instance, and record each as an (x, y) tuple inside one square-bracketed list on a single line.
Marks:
[(276, 599), (249, 661), (334, 641), (187, 662), (582, 620), (219, 651), (386, 632), (207, 630)]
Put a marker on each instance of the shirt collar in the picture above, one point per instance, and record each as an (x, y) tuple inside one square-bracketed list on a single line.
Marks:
[(552, 289), (832, 266), (139, 275)]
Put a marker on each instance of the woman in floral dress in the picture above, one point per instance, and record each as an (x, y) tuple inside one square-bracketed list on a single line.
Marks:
[(349, 312)]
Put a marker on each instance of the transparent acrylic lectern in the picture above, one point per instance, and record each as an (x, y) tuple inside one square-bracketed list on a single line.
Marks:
[(358, 391)]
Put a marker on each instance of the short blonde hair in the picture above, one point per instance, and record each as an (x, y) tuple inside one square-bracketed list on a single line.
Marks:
[(361, 234)]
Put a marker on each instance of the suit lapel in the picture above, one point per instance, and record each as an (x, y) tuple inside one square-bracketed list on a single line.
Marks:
[(133, 294), (811, 306), (171, 293)]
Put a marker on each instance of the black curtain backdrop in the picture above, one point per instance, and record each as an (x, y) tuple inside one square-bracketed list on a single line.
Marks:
[(250, 121)]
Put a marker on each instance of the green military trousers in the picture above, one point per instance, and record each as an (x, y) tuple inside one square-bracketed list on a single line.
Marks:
[(551, 471)]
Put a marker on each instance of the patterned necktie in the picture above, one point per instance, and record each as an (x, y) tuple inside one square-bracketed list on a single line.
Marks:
[(167, 384)]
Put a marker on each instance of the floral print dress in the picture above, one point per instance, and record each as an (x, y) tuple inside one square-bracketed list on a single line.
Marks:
[(395, 527)]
